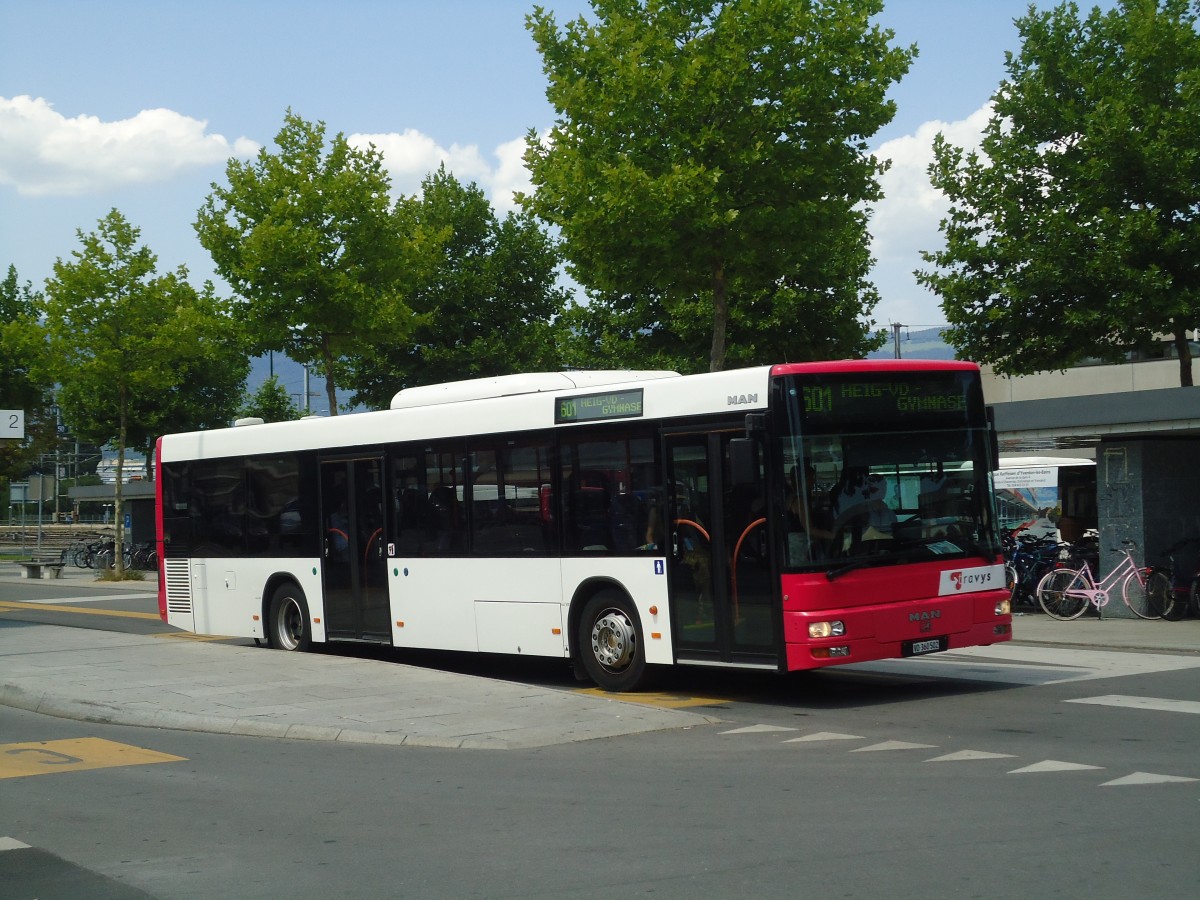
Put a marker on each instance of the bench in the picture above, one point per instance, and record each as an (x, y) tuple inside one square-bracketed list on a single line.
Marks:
[(40, 568)]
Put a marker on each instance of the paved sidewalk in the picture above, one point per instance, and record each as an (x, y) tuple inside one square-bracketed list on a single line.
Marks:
[(177, 682)]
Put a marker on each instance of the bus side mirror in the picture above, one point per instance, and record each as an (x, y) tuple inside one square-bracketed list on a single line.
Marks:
[(743, 461), (993, 438)]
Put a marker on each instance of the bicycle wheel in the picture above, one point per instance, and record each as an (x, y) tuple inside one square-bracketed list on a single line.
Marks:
[(1160, 594), (1010, 581), (1135, 591), (1053, 597)]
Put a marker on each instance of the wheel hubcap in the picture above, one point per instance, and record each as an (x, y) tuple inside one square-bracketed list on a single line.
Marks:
[(291, 625), (613, 640)]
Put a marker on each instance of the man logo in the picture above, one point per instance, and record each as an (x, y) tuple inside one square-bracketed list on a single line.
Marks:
[(742, 399)]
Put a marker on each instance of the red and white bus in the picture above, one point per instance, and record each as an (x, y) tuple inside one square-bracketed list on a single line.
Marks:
[(782, 517)]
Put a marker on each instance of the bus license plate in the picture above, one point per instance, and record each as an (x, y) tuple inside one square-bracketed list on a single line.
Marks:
[(920, 648)]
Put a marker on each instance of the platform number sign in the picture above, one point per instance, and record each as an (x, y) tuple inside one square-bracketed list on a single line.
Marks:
[(12, 424)]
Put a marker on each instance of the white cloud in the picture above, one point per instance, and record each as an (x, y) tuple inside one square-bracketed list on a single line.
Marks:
[(45, 153), (411, 155), (906, 221)]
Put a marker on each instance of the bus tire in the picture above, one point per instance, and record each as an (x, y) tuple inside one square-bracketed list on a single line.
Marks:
[(610, 642), (288, 626)]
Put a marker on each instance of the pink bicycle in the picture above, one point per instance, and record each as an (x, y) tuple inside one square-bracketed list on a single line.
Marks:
[(1066, 593)]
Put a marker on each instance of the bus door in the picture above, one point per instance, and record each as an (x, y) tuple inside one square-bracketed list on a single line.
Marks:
[(354, 570), (719, 567)]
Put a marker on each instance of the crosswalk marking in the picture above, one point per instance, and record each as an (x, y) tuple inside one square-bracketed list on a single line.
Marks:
[(1153, 703)]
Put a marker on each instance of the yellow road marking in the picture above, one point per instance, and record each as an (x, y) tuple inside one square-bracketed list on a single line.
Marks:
[(188, 636), (75, 755), (13, 605), (663, 701)]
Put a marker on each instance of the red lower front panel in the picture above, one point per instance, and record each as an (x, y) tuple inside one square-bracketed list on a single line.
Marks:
[(890, 613)]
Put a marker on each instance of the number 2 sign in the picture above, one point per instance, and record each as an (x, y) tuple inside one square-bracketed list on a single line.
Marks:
[(12, 423)]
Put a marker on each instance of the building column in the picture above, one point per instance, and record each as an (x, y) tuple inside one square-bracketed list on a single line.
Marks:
[(1144, 491)]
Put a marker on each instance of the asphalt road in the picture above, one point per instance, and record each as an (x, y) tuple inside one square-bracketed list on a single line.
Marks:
[(1041, 771)]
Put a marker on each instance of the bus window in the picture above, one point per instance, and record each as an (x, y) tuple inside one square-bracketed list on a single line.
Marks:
[(609, 496), (506, 499)]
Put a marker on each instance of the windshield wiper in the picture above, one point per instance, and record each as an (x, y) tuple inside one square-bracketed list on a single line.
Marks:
[(838, 571), (907, 553)]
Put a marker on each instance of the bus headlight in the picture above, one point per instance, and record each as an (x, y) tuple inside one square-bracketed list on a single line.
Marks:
[(1004, 607), (826, 629)]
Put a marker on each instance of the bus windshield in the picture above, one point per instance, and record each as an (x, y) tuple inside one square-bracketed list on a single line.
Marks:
[(878, 472)]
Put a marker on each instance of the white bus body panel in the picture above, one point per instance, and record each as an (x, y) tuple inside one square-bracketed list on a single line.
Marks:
[(224, 596), (517, 605), (462, 604), (644, 580)]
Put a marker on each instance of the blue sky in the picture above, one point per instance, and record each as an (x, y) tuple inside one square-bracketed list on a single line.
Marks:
[(137, 105)]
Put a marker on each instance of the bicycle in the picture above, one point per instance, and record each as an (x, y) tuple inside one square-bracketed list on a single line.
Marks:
[(1029, 559), (1181, 588), (1065, 593)]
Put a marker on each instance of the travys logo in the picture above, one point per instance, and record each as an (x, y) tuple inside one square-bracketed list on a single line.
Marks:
[(962, 581), (970, 580)]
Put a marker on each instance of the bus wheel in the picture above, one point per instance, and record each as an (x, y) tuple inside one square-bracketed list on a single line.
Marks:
[(610, 642), (287, 622)]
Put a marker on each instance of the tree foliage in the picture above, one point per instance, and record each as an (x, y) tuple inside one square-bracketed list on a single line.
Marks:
[(485, 304), (308, 236), (710, 175), (1075, 230), (136, 353), (21, 387), (271, 403)]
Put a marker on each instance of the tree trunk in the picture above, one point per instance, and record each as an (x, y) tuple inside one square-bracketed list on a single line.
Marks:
[(720, 289), (330, 387), (1185, 357), (118, 503)]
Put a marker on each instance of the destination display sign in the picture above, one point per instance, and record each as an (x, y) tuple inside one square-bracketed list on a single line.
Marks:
[(598, 407), (845, 399)]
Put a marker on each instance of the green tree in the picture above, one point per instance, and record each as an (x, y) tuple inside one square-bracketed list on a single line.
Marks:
[(271, 403), (1075, 230), (709, 170), (308, 236), (487, 302), (22, 345), (135, 352)]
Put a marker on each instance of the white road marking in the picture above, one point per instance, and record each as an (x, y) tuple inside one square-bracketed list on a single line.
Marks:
[(826, 736), (893, 745), (1024, 664), (1153, 703), (760, 729), (1147, 778), (7, 843), (1052, 765), (970, 755)]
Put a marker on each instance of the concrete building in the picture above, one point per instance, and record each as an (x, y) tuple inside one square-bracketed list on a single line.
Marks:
[(1141, 429)]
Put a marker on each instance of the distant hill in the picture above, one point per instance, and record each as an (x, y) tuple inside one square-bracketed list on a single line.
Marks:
[(291, 376), (924, 344)]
